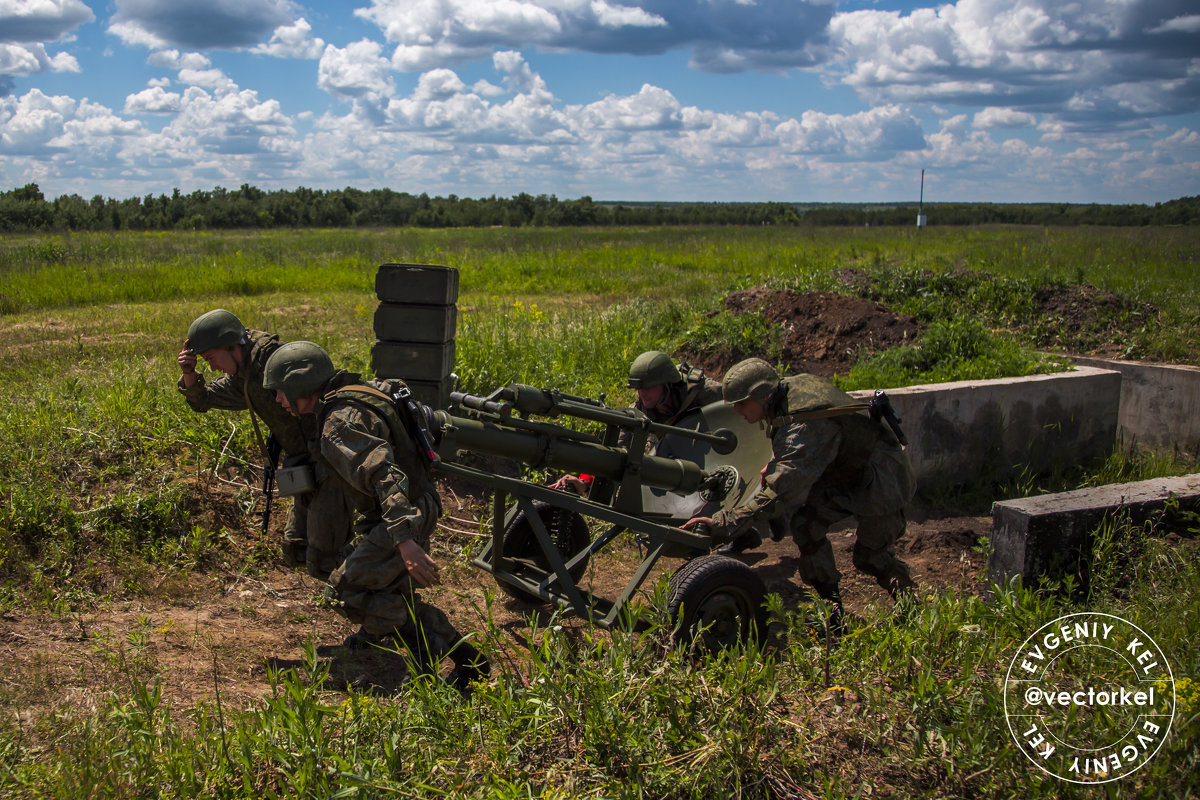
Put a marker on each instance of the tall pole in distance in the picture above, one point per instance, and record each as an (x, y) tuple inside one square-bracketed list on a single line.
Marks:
[(921, 204)]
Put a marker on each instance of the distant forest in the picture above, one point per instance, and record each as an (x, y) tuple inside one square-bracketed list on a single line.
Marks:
[(26, 209)]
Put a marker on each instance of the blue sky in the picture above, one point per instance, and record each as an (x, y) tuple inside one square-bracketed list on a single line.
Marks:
[(789, 100)]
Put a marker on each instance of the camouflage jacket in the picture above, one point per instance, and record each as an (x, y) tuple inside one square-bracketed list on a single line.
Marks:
[(834, 449), (229, 393), (375, 459)]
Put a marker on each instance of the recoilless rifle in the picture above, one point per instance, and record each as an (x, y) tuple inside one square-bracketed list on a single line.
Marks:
[(541, 542)]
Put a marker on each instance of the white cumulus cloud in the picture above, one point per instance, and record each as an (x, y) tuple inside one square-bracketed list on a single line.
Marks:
[(1088, 60), (173, 59), (993, 117), (293, 41), (356, 71), (154, 100), (41, 20), (724, 35)]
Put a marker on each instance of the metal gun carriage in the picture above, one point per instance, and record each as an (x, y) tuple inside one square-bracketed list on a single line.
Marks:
[(541, 542)]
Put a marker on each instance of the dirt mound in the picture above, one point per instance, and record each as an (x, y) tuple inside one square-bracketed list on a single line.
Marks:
[(822, 332), (1084, 319)]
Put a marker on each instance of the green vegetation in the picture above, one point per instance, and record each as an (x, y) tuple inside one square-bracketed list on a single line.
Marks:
[(949, 350), (26, 209), (112, 490), (899, 708)]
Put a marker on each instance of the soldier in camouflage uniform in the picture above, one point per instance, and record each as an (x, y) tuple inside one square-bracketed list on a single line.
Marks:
[(831, 461), (318, 524), (665, 393), (359, 439)]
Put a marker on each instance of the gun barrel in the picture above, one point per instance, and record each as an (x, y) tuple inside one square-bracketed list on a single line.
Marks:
[(544, 449), (526, 399)]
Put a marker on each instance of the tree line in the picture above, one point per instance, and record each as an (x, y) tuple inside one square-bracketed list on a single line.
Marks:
[(27, 209)]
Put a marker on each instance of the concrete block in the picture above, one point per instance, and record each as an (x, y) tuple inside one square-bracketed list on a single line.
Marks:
[(1052, 535), (1160, 404), (969, 430)]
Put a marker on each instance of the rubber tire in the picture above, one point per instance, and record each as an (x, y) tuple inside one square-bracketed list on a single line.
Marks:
[(718, 600), (569, 532)]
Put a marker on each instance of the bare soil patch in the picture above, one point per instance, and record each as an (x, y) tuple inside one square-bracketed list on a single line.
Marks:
[(1084, 319), (219, 636), (823, 332)]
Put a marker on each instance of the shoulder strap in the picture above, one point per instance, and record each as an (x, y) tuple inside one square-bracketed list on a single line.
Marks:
[(820, 413), (693, 378), (262, 445), (366, 396), (399, 408)]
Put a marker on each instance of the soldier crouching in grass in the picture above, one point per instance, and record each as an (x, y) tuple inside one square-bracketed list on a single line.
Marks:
[(831, 461), (358, 438), (318, 525)]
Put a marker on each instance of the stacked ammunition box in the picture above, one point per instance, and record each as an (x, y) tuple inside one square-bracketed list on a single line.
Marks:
[(414, 328)]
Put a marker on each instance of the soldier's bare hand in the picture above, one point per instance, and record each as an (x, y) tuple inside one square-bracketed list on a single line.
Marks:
[(694, 521), (186, 360), (421, 567), (570, 482)]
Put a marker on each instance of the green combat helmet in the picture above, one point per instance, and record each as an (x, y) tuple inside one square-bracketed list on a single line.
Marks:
[(752, 379), (651, 369), (298, 369), (217, 328)]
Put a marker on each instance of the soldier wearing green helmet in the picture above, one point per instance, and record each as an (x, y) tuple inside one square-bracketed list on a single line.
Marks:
[(831, 461), (665, 393), (359, 437), (221, 339)]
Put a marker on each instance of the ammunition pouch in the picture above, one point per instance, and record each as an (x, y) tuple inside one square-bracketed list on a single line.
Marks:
[(295, 480)]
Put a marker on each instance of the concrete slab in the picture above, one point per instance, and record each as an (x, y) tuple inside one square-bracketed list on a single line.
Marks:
[(971, 430), (1051, 535), (1160, 404)]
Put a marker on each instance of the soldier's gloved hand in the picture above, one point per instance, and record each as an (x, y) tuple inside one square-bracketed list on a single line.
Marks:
[(420, 566)]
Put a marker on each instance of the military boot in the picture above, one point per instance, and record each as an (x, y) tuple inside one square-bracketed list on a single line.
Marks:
[(469, 666), (898, 584), (740, 543), (904, 591), (361, 639), (832, 595), (426, 652)]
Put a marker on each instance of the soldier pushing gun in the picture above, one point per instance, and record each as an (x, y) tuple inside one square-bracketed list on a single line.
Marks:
[(832, 460)]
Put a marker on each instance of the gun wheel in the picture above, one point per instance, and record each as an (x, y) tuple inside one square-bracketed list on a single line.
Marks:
[(716, 602), (568, 531)]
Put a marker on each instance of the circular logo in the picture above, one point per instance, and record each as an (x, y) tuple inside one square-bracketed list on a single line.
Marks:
[(1089, 698)]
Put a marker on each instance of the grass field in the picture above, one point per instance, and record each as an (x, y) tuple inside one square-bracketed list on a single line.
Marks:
[(101, 504)]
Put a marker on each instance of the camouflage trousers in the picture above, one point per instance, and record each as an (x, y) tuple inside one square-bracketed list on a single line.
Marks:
[(373, 588), (319, 528), (878, 507)]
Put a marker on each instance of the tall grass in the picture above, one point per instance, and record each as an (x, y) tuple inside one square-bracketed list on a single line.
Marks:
[(898, 708)]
